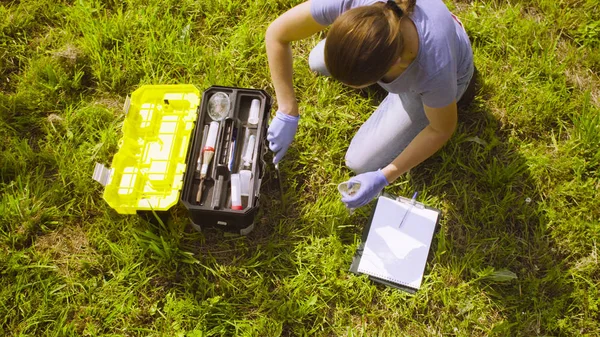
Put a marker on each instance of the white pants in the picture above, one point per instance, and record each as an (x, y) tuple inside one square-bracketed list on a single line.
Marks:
[(395, 123)]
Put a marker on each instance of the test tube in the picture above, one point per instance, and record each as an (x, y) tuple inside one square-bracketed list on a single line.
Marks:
[(209, 149), (204, 138), (245, 176), (254, 110), (236, 197)]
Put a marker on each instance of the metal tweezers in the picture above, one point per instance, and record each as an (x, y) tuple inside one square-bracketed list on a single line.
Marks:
[(278, 172)]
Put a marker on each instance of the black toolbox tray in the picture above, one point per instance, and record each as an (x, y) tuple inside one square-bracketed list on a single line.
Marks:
[(203, 214)]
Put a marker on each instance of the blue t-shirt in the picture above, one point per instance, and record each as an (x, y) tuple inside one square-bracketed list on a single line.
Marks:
[(444, 57)]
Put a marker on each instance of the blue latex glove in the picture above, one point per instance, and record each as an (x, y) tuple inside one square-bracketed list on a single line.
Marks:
[(281, 134), (371, 183)]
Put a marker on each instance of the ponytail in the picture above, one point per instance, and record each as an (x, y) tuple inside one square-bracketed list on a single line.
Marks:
[(401, 7), (394, 7)]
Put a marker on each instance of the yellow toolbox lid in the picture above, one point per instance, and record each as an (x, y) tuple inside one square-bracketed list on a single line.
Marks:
[(147, 171)]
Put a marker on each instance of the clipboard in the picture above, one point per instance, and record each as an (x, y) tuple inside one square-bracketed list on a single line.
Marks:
[(423, 256)]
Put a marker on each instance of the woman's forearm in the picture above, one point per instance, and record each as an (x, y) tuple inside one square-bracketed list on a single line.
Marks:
[(295, 24), (423, 146), (279, 55)]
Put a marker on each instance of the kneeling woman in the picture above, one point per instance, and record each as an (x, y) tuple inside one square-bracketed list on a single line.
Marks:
[(417, 51)]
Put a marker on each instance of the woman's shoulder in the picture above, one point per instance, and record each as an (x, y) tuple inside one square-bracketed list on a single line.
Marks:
[(435, 27), (326, 11), (432, 14)]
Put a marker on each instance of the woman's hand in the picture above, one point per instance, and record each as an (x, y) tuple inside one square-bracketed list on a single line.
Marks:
[(371, 183), (281, 134)]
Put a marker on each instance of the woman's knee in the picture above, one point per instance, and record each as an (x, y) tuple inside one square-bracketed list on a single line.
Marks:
[(316, 59), (359, 163)]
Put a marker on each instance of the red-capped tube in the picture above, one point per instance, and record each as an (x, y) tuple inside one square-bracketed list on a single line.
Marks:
[(236, 197)]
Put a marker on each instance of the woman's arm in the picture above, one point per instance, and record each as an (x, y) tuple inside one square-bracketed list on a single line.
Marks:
[(295, 24), (442, 123)]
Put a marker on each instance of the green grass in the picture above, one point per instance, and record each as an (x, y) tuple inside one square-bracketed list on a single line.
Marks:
[(500, 266)]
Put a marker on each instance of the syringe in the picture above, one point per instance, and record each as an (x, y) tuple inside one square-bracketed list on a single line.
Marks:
[(208, 151), (249, 153)]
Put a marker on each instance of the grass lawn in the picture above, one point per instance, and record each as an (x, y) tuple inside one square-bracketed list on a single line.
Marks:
[(518, 184)]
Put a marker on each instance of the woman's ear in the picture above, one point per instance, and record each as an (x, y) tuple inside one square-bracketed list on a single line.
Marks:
[(400, 62)]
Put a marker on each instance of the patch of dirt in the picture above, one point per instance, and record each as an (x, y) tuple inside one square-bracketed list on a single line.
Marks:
[(533, 13), (112, 103), (359, 325), (54, 118), (578, 76), (69, 248), (585, 79), (70, 54)]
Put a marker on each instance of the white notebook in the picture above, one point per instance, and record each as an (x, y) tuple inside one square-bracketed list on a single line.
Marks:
[(395, 253)]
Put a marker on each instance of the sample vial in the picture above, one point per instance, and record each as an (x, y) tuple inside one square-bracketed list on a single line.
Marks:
[(245, 176), (209, 148), (254, 110), (236, 196)]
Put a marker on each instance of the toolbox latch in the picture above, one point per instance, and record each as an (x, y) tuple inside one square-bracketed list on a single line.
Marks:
[(127, 105), (101, 174)]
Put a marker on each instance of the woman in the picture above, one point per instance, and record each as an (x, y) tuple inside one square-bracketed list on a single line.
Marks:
[(418, 52)]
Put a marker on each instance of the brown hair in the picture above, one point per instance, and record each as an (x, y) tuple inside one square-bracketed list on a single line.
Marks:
[(364, 42)]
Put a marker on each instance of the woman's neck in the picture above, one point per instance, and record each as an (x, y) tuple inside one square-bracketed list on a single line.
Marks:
[(409, 53)]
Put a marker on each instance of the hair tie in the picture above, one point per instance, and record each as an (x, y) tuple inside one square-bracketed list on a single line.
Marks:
[(394, 6)]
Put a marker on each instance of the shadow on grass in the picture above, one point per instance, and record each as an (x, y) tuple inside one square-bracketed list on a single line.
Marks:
[(493, 234)]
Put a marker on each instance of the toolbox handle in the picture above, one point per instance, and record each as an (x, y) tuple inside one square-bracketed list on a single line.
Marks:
[(102, 174)]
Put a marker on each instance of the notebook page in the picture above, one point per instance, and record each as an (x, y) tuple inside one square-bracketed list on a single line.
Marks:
[(398, 254)]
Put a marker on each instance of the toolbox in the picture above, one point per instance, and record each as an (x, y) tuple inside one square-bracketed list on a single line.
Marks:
[(203, 150)]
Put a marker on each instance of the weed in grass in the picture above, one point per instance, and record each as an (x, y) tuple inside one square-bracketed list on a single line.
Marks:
[(26, 212)]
